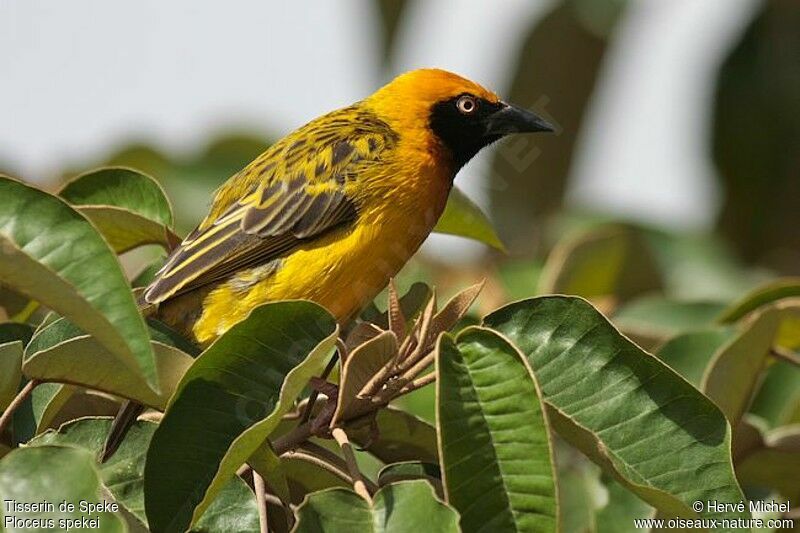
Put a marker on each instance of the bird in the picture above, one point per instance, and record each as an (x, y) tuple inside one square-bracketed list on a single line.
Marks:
[(332, 211)]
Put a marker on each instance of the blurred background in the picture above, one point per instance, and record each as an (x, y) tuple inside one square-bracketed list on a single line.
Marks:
[(671, 188), (681, 118)]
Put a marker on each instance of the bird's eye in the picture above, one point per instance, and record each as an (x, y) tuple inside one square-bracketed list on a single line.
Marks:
[(467, 104)]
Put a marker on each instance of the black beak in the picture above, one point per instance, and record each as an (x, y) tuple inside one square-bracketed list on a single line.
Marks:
[(512, 119)]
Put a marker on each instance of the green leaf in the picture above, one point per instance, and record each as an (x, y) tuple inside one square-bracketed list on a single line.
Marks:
[(606, 261), (305, 477), (778, 397), (762, 295), (493, 436), (622, 407), (268, 465), (580, 492), (125, 230), (689, 353), (775, 465), (462, 217), (401, 437), (395, 472), (46, 400), (54, 255), (234, 509), (734, 372), (14, 331), (666, 318), (60, 352), (54, 474), (10, 371), (120, 187), (228, 403), (403, 506), (128, 207)]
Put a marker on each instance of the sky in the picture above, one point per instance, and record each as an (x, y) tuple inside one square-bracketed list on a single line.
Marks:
[(84, 77)]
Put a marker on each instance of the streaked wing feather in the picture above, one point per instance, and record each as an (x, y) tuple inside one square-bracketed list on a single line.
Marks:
[(278, 212)]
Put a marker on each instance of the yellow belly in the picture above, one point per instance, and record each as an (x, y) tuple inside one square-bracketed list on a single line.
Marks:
[(342, 271)]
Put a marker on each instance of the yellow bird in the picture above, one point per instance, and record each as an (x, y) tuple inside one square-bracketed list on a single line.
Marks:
[(333, 210), (330, 212)]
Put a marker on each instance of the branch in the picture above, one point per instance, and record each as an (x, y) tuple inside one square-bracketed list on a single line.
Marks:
[(359, 484), (312, 399), (15, 403), (320, 462), (261, 500)]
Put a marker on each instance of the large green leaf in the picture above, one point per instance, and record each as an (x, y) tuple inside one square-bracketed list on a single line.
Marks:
[(60, 352), (606, 261), (10, 371), (734, 373), (228, 403), (401, 437), (128, 207), (54, 255), (689, 353), (430, 472), (462, 217), (403, 506), (622, 407), (762, 295), (120, 187), (53, 474), (493, 437), (234, 509)]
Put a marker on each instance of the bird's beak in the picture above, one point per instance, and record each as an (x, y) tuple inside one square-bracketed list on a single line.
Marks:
[(512, 119)]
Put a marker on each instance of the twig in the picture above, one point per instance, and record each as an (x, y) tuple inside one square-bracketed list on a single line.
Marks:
[(261, 491), (291, 440), (15, 403), (318, 461), (419, 366), (359, 486), (418, 383), (312, 399), (323, 453), (419, 349), (785, 355), (334, 460), (274, 500), (304, 431)]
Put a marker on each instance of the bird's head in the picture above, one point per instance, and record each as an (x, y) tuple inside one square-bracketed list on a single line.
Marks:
[(432, 106)]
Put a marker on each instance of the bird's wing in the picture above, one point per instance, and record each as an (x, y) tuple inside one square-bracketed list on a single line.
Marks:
[(295, 192)]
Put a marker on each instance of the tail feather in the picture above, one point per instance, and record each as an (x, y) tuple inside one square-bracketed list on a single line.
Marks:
[(125, 418)]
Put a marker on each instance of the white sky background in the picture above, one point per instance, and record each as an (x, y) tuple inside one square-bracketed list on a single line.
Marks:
[(82, 77)]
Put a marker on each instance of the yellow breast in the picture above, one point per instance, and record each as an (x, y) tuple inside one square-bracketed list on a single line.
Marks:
[(347, 268)]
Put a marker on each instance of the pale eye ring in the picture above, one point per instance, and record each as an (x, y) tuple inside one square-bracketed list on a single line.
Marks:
[(467, 104)]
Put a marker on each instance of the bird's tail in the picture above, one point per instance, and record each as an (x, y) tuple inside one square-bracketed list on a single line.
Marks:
[(129, 410)]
